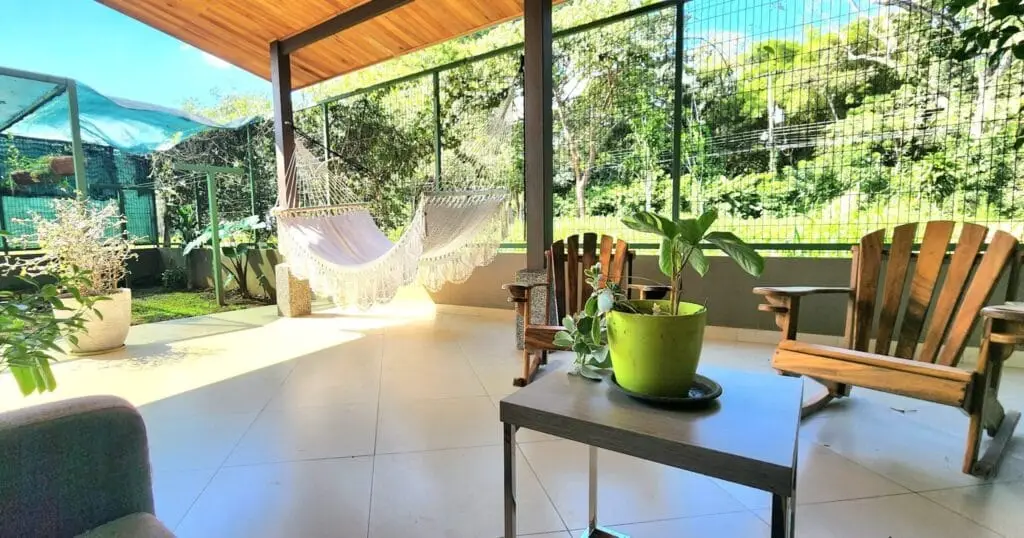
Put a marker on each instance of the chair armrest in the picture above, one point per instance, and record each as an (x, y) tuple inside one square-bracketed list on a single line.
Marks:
[(520, 292), (799, 291), (650, 291), (71, 466), (1013, 312)]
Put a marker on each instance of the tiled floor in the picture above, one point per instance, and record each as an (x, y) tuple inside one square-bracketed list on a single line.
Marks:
[(385, 425)]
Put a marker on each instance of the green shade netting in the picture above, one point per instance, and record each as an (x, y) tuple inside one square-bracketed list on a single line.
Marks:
[(127, 125)]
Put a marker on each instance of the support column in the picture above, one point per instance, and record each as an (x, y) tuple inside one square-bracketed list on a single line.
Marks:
[(677, 110), (77, 153), (284, 133), (538, 119)]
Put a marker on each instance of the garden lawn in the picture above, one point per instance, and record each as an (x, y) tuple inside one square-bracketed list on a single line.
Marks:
[(150, 306)]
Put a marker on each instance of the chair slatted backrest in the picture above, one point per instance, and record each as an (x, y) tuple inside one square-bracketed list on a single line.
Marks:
[(567, 263), (942, 306)]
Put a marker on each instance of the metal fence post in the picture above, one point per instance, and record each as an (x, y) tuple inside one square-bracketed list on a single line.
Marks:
[(77, 153), (327, 144), (3, 226), (437, 129), (153, 222), (677, 110), (121, 209), (248, 167), (218, 282)]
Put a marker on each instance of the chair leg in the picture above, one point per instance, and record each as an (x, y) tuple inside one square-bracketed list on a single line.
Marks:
[(988, 464), (987, 412), (829, 391), (531, 362)]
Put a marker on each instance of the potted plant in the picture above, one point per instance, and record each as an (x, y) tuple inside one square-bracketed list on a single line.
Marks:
[(653, 346), (82, 237), (61, 165), (30, 327)]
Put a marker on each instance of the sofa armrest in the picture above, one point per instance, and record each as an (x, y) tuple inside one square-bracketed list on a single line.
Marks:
[(73, 465)]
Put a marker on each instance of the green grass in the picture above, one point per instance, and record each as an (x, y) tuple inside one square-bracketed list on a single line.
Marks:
[(150, 306)]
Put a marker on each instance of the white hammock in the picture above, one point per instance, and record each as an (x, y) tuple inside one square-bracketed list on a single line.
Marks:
[(344, 255)]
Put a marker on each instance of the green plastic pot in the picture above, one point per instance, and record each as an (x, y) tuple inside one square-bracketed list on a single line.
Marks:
[(656, 355)]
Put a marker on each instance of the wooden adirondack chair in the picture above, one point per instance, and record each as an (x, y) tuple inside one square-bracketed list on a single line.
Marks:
[(920, 368), (567, 284)]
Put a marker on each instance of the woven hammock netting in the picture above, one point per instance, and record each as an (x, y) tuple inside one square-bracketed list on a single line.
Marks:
[(459, 220)]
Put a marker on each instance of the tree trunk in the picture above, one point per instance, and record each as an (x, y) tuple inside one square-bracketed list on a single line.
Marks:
[(581, 200), (988, 78)]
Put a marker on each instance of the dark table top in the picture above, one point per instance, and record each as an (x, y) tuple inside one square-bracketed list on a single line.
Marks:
[(748, 436)]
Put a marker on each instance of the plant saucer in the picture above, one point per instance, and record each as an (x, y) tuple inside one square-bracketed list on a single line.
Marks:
[(703, 391)]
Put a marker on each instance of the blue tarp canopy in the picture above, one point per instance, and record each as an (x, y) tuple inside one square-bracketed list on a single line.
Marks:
[(37, 106)]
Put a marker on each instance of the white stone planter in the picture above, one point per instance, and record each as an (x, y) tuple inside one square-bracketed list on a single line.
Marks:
[(107, 333)]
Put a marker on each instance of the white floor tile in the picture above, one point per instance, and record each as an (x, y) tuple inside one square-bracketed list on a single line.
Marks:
[(306, 433), (455, 494), (629, 490), (996, 506), (311, 499)]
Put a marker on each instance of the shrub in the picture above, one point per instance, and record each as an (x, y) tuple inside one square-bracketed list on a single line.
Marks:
[(174, 277), (80, 238)]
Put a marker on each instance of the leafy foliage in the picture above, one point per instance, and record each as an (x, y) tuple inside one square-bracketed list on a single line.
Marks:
[(30, 328), (586, 334), (81, 236), (236, 243), (682, 245), (174, 277)]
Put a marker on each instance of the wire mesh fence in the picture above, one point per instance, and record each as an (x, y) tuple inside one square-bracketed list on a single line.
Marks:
[(805, 124), (30, 184), (817, 122)]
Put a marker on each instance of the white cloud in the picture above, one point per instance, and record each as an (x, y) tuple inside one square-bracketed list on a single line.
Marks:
[(207, 58)]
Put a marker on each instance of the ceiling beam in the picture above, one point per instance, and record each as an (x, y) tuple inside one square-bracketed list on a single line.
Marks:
[(342, 21)]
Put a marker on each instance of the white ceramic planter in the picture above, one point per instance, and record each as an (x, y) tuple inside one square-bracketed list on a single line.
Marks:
[(107, 333)]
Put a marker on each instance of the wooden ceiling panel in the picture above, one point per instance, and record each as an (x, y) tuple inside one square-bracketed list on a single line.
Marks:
[(240, 31)]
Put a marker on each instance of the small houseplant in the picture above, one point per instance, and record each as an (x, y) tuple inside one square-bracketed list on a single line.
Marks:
[(82, 236), (30, 327), (653, 346)]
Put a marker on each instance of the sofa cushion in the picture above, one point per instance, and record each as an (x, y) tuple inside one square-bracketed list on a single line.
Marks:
[(139, 525)]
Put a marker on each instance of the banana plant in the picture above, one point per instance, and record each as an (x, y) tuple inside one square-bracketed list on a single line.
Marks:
[(236, 243)]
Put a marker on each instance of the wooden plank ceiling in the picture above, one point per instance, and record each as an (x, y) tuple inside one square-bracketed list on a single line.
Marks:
[(240, 31)]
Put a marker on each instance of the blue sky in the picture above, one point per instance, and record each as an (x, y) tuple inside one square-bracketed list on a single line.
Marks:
[(113, 53)]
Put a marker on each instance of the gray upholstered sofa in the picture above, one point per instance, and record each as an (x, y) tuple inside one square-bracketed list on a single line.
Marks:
[(76, 467)]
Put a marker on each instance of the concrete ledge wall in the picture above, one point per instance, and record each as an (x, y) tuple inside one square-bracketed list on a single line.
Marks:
[(200, 264), (726, 290)]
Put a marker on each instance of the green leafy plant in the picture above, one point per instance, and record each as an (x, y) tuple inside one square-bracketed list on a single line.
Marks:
[(236, 241), (174, 277), (184, 221), (30, 328), (682, 245)]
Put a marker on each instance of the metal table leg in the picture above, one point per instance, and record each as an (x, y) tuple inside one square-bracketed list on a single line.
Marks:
[(783, 516), (510, 480), (593, 531)]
